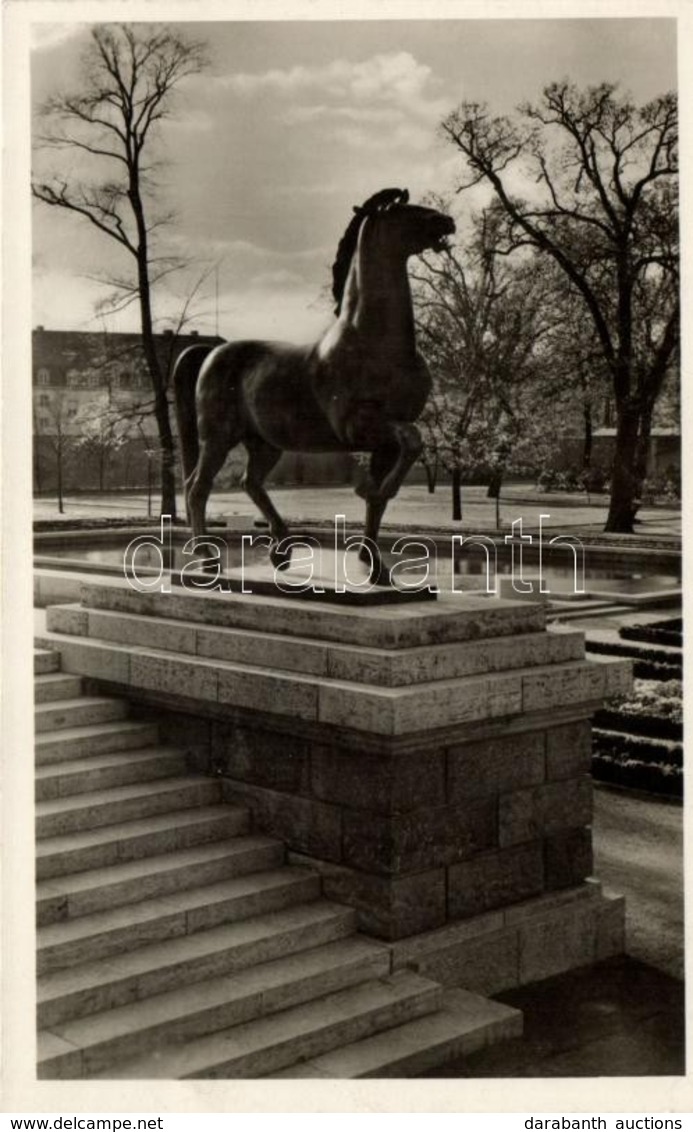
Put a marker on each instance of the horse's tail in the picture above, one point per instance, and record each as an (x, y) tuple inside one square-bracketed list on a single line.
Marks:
[(186, 371)]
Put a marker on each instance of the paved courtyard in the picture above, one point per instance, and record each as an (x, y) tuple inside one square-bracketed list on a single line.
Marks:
[(625, 1016), (413, 508)]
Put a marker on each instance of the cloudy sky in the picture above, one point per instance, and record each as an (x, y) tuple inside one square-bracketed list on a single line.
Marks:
[(292, 124)]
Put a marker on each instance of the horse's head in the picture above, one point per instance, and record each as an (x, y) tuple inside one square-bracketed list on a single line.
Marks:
[(414, 228), (410, 228)]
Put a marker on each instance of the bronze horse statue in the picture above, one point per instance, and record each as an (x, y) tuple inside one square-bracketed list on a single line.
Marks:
[(360, 388)]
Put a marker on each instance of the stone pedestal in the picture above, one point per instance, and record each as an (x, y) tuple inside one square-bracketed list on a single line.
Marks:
[(430, 759)]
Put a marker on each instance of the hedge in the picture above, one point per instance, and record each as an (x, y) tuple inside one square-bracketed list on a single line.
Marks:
[(655, 778), (667, 632), (640, 747), (637, 652), (648, 664), (654, 726)]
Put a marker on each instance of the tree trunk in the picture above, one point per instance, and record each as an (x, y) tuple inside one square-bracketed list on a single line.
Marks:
[(456, 494), (161, 407), (37, 466), (168, 461), (431, 471), (495, 483), (587, 444), (624, 481), (642, 451), (59, 476)]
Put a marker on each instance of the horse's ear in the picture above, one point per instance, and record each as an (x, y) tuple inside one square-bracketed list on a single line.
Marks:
[(404, 199), (358, 210)]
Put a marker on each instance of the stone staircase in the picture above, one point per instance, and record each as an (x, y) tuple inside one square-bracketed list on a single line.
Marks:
[(174, 942)]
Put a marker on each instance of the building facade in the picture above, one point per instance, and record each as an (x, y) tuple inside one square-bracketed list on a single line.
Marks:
[(93, 421)]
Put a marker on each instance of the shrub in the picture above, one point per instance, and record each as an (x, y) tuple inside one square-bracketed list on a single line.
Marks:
[(660, 699), (547, 479), (654, 726), (637, 738), (667, 632), (655, 778), (657, 670), (643, 748), (661, 663), (594, 480), (636, 651)]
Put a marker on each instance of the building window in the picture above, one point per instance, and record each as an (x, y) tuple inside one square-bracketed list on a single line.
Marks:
[(43, 377), (44, 399)]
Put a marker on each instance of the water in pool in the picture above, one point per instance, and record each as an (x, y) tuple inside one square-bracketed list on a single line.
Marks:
[(470, 568)]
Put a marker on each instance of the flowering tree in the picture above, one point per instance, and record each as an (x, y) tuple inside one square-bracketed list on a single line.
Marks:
[(599, 199), (484, 326), (100, 431)]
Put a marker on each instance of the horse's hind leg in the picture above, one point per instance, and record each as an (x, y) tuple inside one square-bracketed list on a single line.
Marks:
[(211, 457), (262, 457)]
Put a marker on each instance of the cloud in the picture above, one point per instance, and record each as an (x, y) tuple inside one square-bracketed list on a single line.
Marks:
[(394, 78), (197, 121), (297, 115), (46, 36), (397, 72), (295, 315), (389, 98), (281, 277)]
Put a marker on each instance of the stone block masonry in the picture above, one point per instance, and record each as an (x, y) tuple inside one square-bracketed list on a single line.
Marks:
[(416, 822), (430, 761)]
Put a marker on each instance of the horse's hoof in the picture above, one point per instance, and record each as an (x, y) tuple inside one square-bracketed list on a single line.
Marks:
[(380, 575), (280, 559)]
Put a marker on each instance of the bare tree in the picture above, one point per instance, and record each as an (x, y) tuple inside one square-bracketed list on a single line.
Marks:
[(110, 124), (601, 200)]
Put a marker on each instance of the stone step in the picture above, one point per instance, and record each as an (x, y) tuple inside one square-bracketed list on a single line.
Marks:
[(79, 712), (46, 660), (80, 894), (267, 1045), (124, 803), (132, 840), (98, 772), (465, 1023), (215, 1004), (335, 660), (56, 686), (157, 967), (378, 709), (94, 739), (453, 617), (115, 931)]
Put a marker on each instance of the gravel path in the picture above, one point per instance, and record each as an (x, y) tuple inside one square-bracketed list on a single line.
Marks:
[(638, 849), (412, 507)]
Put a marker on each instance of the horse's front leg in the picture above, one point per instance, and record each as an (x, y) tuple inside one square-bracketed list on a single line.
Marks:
[(410, 447), (389, 466), (403, 446)]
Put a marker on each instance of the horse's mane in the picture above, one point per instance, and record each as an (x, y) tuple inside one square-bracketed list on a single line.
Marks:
[(347, 245)]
